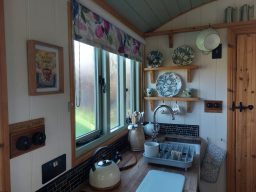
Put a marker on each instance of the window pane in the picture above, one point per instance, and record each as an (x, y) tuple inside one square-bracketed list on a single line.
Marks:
[(114, 90), (128, 85), (85, 86)]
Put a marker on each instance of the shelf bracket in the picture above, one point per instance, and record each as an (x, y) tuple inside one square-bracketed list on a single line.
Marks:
[(189, 107), (170, 40), (189, 75), (152, 105), (152, 76)]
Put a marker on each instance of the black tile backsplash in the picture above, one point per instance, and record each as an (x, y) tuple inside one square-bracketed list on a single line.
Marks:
[(74, 177), (179, 129)]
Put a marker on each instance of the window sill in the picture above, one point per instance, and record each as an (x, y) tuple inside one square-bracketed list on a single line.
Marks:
[(85, 152)]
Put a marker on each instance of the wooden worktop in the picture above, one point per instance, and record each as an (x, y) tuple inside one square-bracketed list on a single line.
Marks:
[(132, 177)]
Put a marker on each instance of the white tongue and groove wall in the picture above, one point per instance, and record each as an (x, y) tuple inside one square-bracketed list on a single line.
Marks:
[(46, 20), (209, 81)]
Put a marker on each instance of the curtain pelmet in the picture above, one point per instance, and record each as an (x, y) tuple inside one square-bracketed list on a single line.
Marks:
[(92, 29)]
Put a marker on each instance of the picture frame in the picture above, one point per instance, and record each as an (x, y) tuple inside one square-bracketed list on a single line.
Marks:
[(45, 68)]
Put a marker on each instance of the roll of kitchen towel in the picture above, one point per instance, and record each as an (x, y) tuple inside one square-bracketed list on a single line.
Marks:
[(212, 162)]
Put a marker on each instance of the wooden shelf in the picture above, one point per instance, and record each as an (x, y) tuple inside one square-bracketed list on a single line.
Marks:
[(200, 27), (172, 32), (188, 68), (188, 100)]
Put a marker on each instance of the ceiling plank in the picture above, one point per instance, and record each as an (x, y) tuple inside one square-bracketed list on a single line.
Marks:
[(159, 10), (108, 8), (144, 11), (209, 1), (196, 3), (171, 7), (184, 5), (129, 13)]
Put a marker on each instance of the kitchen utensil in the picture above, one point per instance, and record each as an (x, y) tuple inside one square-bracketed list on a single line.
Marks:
[(207, 40), (228, 14), (149, 92), (104, 174), (176, 108), (251, 12), (129, 160), (148, 129), (184, 155), (187, 92), (151, 149), (244, 13), (136, 138)]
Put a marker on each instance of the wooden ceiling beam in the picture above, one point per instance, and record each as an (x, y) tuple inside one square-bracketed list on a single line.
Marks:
[(200, 27), (103, 4)]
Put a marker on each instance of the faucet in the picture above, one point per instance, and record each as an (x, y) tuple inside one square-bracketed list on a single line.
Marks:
[(156, 126)]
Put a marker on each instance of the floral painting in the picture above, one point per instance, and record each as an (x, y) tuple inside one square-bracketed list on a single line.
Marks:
[(95, 30), (45, 64), (45, 69)]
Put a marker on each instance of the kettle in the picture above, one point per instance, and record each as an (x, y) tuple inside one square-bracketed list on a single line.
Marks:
[(104, 174)]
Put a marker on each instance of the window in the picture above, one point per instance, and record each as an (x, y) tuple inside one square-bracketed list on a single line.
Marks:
[(106, 88)]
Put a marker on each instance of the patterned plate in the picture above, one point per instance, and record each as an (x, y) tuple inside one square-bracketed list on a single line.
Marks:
[(183, 55), (168, 84)]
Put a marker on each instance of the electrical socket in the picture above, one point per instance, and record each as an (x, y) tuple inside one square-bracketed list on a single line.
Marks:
[(53, 168)]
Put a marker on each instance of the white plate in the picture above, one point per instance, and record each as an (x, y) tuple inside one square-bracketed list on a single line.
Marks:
[(207, 40), (168, 84)]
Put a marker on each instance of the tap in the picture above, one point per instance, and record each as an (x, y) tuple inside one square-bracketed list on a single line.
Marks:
[(156, 127)]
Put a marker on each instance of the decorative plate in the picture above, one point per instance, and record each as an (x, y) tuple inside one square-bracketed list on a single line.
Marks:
[(183, 55), (155, 58), (168, 84)]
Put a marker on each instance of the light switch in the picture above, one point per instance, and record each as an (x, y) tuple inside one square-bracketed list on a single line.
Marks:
[(212, 106)]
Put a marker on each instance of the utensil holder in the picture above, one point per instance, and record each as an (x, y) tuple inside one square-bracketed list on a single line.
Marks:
[(136, 138)]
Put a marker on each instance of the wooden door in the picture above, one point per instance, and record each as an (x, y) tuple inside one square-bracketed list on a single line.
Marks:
[(245, 118), (4, 132)]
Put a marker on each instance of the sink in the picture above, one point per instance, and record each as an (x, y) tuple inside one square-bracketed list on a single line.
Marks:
[(162, 181)]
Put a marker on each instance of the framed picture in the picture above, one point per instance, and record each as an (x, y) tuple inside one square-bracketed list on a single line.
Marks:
[(45, 68)]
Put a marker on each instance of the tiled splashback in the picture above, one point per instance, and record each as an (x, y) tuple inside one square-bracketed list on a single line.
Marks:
[(72, 179), (179, 129)]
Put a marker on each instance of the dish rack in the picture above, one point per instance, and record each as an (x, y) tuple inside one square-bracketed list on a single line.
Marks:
[(174, 154)]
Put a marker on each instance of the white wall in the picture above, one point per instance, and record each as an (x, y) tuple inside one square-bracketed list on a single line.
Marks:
[(43, 20), (46, 20), (210, 80)]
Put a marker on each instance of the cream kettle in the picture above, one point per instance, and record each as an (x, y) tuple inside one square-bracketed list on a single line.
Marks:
[(104, 174)]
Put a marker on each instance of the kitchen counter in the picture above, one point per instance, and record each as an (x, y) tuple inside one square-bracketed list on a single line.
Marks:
[(132, 177)]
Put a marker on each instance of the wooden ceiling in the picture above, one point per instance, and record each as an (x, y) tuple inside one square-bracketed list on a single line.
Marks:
[(147, 15)]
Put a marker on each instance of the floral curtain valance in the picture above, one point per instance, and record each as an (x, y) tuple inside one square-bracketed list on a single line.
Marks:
[(93, 29)]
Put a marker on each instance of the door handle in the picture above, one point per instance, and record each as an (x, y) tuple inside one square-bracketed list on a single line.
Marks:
[(241, 107), (1, 145)]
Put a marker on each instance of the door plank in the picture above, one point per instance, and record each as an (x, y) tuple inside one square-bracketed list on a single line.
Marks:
[(245, 123)]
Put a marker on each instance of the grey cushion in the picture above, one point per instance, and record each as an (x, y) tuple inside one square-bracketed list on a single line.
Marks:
[(212, 162)]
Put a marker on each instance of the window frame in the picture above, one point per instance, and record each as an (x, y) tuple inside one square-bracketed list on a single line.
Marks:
[(79, 156), (103, 99)]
